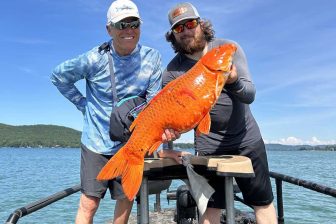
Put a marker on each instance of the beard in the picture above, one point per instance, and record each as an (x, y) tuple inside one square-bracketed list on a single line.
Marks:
[(190, 44)]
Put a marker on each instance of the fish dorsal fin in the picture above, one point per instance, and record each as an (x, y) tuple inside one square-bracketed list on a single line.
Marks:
[(154, 147), (204, 126), (217, 91), (220, 82), (133, 124)]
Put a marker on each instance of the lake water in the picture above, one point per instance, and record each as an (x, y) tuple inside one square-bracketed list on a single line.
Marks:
[(27, 175)]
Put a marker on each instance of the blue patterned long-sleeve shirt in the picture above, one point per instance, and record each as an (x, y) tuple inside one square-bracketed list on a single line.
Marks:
[(139, 73)]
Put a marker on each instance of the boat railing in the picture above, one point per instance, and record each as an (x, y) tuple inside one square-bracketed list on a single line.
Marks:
[(279, 178), (35, 206)]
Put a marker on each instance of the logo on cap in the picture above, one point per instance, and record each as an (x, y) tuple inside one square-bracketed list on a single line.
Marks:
[(179, 11), (123, 7)]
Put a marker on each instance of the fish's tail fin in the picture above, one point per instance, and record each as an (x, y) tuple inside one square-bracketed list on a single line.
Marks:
[(131, 179), (130, 170), (114, 167)]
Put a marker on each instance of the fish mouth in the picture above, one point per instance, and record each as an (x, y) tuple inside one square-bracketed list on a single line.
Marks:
[(220, 59)]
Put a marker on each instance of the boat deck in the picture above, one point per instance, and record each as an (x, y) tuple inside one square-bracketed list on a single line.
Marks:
[(167, 216)]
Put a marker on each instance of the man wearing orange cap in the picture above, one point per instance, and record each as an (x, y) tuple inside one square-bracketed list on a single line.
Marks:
[(233, 128)]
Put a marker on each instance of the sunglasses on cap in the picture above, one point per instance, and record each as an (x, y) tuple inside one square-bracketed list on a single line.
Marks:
[(190, 24), (123, 25)]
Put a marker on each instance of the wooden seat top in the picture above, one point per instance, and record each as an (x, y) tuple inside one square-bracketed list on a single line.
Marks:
[(225, 165)]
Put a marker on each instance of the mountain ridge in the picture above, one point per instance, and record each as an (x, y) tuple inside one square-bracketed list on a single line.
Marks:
[(43, 135), (39, 135)]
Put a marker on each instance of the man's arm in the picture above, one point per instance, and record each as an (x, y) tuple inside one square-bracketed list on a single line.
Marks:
[(64, 77), (155, 81), (243, 87)]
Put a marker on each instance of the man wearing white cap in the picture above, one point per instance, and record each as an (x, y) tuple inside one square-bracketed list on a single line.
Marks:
[(234, 130), (121, 69)]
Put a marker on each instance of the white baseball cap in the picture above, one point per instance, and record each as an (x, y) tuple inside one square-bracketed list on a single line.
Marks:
[(121, 9)]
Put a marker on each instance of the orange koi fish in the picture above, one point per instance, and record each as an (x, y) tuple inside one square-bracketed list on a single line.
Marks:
[(182, 105)]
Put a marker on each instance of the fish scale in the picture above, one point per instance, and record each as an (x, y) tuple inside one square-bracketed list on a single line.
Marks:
[(182, 105)]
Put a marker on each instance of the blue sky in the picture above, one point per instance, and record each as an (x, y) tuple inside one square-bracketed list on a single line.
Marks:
[(289, 46)]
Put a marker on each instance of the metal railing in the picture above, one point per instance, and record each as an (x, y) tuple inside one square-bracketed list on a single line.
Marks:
[(30, 208), (279, 178)]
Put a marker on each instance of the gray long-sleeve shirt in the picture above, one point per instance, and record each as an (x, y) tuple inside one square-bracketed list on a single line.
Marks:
[(232, 123)]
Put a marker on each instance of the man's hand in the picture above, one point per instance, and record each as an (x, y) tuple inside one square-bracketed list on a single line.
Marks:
[(233, 76), (170, 135)]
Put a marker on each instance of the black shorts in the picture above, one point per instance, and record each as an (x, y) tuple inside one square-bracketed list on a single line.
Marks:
[(256, 191), (91, 164)]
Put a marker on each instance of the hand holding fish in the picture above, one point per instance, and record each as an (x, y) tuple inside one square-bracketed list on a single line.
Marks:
[(170, 135), (233, 76)]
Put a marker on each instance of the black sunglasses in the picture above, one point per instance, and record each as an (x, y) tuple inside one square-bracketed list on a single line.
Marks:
[(123, 25)]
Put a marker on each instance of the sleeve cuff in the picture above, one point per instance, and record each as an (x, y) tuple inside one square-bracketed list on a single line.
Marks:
[(236, 86)]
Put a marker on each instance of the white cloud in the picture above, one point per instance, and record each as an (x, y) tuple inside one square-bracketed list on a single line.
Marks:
[(188, 138), (297, 141)]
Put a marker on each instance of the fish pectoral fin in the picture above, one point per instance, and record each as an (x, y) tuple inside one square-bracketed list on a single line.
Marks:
[(187, 92), (204, 126), (133, 124), (154, 147)]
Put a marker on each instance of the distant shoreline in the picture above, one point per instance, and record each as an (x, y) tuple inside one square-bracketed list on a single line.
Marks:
[(53, 136), (186, 146), (275, 147)]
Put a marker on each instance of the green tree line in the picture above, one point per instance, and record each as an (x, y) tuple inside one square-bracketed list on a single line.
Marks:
[(59, 136), (38, 136)]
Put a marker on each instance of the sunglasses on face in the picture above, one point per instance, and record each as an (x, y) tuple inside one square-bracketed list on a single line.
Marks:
[(190, 24), (123, 25)]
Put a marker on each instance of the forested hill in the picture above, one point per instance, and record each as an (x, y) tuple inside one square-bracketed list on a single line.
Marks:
[(38, 136)]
